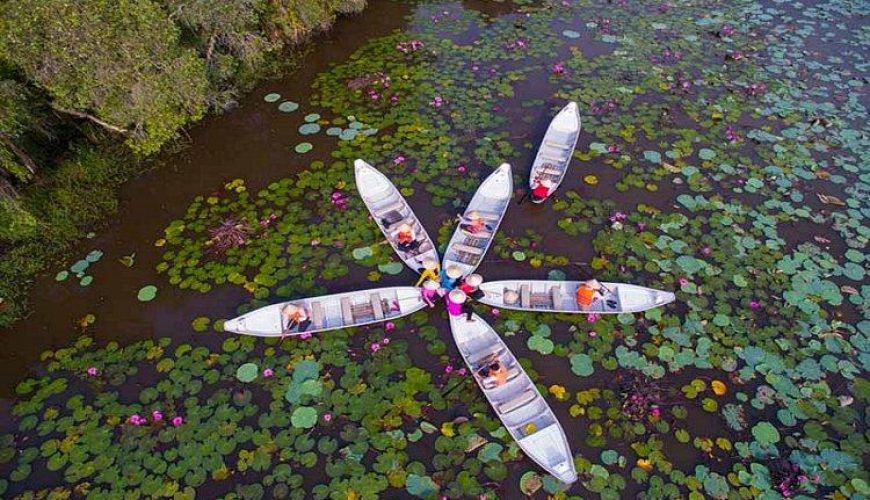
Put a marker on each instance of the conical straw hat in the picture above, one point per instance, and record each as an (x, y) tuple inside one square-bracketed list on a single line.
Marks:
[(474, 280), (457, 296), (431, 285), (454, 272), (430, 264)]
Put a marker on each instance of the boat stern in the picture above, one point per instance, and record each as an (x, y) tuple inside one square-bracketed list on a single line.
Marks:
[(565, 472), (662, 297)]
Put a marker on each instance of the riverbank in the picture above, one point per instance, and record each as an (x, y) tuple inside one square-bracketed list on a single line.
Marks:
[(61, 168)]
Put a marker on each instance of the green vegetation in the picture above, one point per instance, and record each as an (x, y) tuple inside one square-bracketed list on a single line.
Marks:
[(89, 89)]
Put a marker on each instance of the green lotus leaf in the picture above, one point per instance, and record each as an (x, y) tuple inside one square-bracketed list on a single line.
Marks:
[(765, 433), (420, 486), (303, 147), (304, 417), (581, 365), (147, 293), (272, 97), (286, 106), (247, 372), (62, 275)]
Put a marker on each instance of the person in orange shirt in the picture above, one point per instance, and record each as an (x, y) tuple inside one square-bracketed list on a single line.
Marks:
[(587, 293), (405, 238), (498, 371)]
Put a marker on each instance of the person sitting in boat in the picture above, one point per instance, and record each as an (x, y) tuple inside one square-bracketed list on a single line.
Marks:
[(473, 223), (471, 286), (511, 297), (450, 276), (587, 293), (405, 238), (541, 189), (430, 292), (455, 300), (428, 272), (495, 370), (294, 316)]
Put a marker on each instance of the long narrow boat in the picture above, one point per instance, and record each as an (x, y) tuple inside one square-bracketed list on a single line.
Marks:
[(390, 211), (560, 297), (466, 250), (554, 155), (331, 312), (517, 402)]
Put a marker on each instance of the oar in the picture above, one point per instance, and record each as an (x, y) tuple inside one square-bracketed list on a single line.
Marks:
[(455, 386), (523, 198)]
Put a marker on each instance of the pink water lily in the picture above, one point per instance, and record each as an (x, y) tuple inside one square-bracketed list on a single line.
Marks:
[(754, 304), (461, 169), (385, 341), (389, 326), (375, 347), (461, 372), (136, 419), (558, 69), (495, 312), (592, 318), (437, 101), (399, 159), (304, 336), (93, 371), (706, 251), (327, 417), (641, 226), (268, 372), (683, 281), (156, 416), (176, 421), (593, 333), (448, 369), (613, 149)]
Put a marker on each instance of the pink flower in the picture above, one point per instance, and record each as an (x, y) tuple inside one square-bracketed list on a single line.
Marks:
[(315, 242), (706, 251), (461, 169), (754, 304), (461, 372), (92, 371), (592, 318), (327, 417), (683, 281), (136, 419), (176, 421), (437, 101), (389, 326), (399, 159), (268, 372), (156, 416), (641, 226), (386, 340), (495, 312), (448, 369), (727, 30), (375, 347), (558, 69), (613, 148), (304, 336), (656, 412), (593, 333)]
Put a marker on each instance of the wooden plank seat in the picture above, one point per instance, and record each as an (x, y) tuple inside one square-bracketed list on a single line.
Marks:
[(362, 311), (552, 158), (465, 258), (549, 171), (397, 206), (377, 306), (489, 382), (476, 360), (540, 300), (480, 235), (317, 314), (459, 247), (518, 402), (488, 215), (557, 145), (346, 311), (556, 296), (525, 296)]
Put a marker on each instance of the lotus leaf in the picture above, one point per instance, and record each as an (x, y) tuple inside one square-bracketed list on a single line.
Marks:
[(303, 147), (271, 97), (420, 486), (286, 106), (247, 372), (147, 293), (581, 365), (304, 417), (765, 433)]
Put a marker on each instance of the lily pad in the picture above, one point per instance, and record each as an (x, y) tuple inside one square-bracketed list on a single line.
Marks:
[(147, 293), (581, 365), (362, 253), (247, 372), (287, 106), (309, 129), (391, 268), (312, 117), (304, 147), (61, 276), (304, 417), (570, 34), (272, 97)]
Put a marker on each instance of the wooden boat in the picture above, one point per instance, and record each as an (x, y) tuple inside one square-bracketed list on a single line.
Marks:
[(466, 250), (518, 404), (554, 155), (331, 312), (560, 296), (390, 210)]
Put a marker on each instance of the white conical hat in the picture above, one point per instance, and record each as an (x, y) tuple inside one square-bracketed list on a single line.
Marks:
[(290, 309), (405, 228), (511, 297), (474, 280), (473, 215), (430, 264), (454, 272), (457, 296), (431, 285), (547, 183)]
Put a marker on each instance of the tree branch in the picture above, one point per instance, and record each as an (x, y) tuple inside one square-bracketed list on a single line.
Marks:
[(25, 159), (79, 114)]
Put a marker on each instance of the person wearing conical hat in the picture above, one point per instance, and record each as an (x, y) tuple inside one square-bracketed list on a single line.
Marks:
[(450, 276), (294, 316), (455, 300), (405, 238), (430, 292), (471, 286), (429, 271), (541, 189), (473, 222)]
